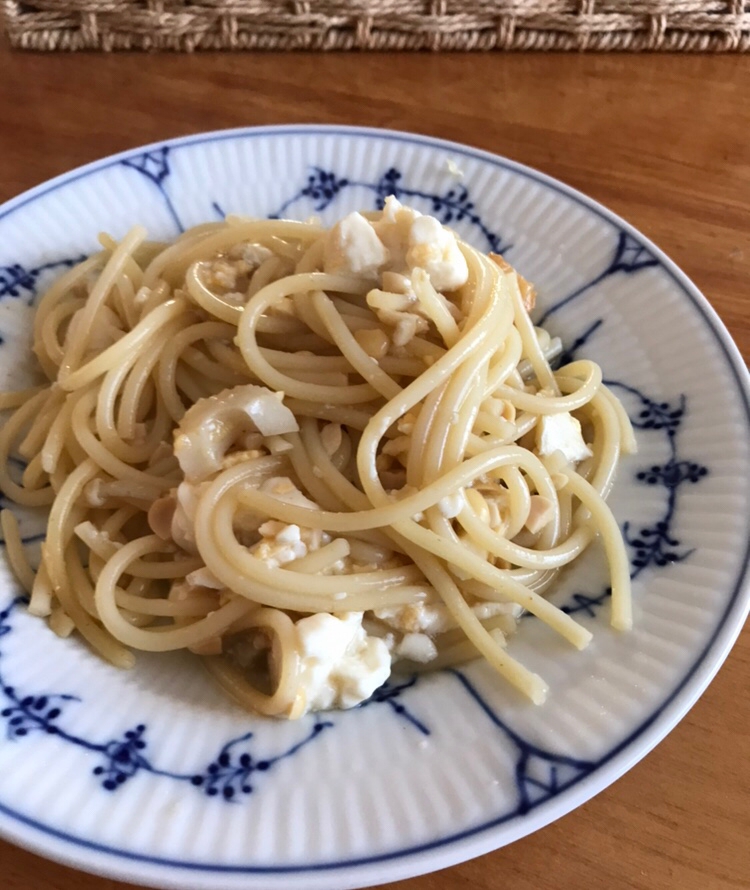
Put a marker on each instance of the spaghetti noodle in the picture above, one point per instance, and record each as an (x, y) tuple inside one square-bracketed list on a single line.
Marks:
[(307, 455)]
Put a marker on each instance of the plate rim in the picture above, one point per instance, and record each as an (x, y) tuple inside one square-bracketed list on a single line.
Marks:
[(476, 840)]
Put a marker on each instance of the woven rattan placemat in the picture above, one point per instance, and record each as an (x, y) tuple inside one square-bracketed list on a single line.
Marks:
[(676, 25)]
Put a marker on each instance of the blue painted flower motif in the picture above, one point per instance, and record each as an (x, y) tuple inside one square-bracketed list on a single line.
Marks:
[(124, 759), (673, 473), (32, 713), (236, 770), (27, 713), (455, 205), (228, 776), (322, 187), (388, 184), (17, 281), (230, 773), (14, 279), (659, 415), (655, 544)]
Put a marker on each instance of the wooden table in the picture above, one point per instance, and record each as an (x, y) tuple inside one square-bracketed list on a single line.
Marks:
[(662, 141)]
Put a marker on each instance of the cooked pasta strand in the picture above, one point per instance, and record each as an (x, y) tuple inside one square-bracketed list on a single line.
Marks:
[(306, 455)]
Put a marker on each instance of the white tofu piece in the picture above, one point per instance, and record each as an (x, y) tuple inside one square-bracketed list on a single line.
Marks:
[(561, 432), (451, 505), (340, 664), (434, 248), (353, 248), (417, 647)]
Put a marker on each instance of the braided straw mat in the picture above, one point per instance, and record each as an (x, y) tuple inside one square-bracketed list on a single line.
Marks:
[(676, 25)]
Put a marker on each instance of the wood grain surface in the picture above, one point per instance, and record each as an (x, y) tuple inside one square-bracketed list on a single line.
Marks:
[(661, 140)]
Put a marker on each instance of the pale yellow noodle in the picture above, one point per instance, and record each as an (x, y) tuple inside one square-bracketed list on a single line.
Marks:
[(133, 336)]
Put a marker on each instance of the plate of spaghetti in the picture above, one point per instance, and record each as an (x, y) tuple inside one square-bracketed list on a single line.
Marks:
[(368, 502)]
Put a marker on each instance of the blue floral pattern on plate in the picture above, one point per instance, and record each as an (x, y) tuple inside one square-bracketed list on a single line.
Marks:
[(130, 754), (229, 775)]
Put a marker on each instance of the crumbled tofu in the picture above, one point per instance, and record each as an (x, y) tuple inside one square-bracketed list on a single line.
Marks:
[(398, 245), (415, 241), (393, 229), (416, 647), (340, 664), (242, 456), (430, 618), (284, 534), (406, 424), (541, 511), (224, 274), (353, 248), (500, 408), (407, 328), (281, 542), (274, 553), (561, 432), (434, 618), (434, 249), (488, 609), (276, 537), (229, 275), (451, 505), (254, 254)]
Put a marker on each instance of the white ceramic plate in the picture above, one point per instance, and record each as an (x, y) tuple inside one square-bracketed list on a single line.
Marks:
[(152, 777)]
